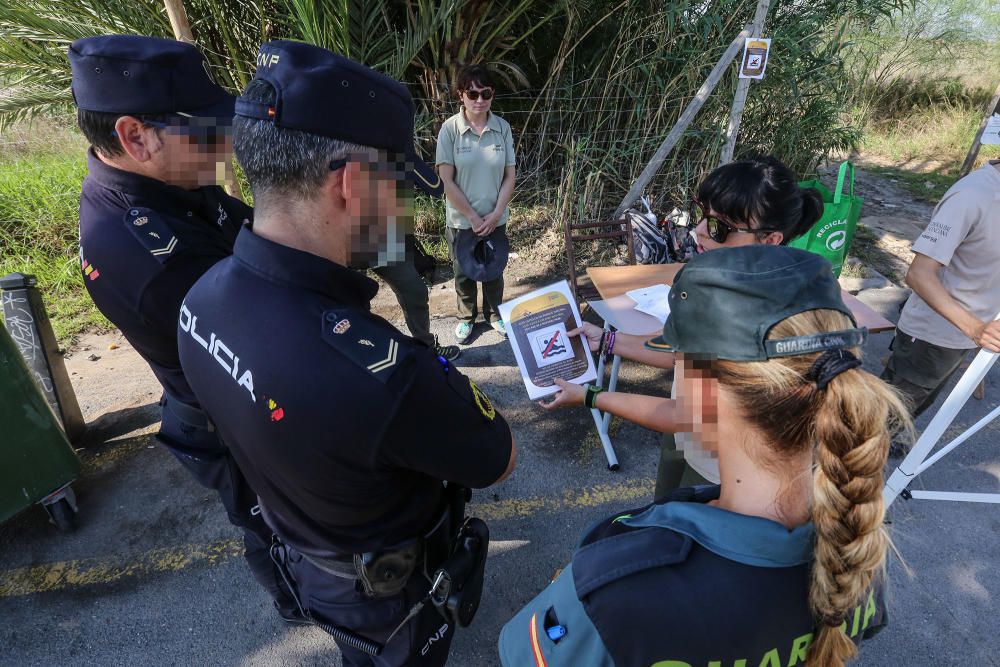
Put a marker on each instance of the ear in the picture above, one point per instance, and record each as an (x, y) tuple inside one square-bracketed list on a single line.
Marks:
[(136, 139), (774, 238), (342, 182)]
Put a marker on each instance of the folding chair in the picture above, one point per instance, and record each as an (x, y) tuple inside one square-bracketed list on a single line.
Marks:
[(620, 229)]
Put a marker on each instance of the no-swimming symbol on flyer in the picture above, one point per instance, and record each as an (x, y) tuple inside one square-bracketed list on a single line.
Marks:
[(550, 345)]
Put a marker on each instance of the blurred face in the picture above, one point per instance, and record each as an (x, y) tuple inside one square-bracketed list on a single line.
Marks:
[(189, 152), (381, 209), (711, 227), (479, 105), (696, 392)]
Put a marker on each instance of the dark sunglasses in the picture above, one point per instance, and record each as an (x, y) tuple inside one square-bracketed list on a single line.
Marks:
[(718, 229), (473, 95)]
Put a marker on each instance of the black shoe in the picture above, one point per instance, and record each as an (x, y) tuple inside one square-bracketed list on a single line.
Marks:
[(292, 615), (449, 352)]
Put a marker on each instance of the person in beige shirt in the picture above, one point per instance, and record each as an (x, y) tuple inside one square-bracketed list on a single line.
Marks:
[(955, 277), (475, 157)]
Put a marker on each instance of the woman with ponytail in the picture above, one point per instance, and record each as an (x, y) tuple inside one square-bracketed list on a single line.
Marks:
[(780, 564), (749, 202)]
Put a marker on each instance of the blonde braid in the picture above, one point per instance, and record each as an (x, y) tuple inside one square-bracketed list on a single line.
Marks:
[(852, 442), (848, 425)]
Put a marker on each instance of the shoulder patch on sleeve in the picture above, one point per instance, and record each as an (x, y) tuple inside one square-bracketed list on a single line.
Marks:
[(153, 232), (368, 344), (468, 390)]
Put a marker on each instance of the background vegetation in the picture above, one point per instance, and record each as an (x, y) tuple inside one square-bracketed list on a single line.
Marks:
[(590, 87)]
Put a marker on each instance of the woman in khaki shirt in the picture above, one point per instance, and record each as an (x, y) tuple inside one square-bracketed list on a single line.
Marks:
[(475, 157)]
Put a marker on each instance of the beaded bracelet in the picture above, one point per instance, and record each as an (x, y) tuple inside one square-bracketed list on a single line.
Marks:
[(609, 350)]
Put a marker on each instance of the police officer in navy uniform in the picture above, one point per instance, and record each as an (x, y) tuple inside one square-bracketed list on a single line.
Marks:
[(345, 427), (152, 221), (781, 564)]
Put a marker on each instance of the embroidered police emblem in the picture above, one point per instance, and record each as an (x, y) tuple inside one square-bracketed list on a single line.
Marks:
[(482, 401), (139, 222), (342, 326)]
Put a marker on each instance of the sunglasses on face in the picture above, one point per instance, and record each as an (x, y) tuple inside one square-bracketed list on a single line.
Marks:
[(473, 95), (718, 229)]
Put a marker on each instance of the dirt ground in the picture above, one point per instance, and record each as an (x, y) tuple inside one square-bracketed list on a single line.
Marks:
[(153, 574)]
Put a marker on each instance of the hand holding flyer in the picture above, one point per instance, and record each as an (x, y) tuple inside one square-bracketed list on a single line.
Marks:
[(537, 325)]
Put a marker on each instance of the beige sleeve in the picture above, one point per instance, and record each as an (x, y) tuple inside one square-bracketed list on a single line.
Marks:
[(445, 153), (508, 145), (951, 222)]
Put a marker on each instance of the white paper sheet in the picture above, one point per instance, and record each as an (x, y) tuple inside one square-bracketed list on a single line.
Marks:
[(652, 300)]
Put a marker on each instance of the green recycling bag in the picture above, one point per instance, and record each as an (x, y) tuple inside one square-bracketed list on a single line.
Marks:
[(831, 237)]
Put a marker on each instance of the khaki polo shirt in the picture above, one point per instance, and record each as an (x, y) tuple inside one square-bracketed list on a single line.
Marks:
[(964, 236), (479, 163)]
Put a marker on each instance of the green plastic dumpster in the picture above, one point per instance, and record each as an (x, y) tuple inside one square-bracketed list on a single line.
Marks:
[(831, 237), (37, 464)]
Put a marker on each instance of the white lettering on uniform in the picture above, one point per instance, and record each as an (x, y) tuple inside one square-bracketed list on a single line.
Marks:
[(188, 323), (194, 333), (220, 346), (442, 631)]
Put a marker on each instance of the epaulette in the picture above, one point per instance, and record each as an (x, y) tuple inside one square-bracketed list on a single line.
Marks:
[(610, 559), (153, 232), (375, 348)]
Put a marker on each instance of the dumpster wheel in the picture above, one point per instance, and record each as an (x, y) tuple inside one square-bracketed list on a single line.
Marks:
[(61, 507), (62, 514)]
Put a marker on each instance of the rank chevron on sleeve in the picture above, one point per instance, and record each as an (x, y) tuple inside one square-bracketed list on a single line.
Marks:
[(390, 359), (167, 249)]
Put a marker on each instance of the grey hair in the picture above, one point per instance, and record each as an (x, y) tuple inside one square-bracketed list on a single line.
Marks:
[(282, 162)]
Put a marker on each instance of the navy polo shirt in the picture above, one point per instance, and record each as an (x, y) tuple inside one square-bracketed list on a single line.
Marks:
[(681, 583), (344, 426), (143, 243)]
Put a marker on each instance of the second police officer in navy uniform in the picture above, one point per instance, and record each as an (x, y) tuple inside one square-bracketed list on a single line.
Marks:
[(152, 221), (345, 427)]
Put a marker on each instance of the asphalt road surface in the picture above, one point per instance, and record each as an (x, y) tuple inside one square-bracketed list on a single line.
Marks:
[(153, 574)]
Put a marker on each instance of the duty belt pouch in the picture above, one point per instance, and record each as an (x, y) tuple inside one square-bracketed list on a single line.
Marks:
[(386, 573), (462, 574)]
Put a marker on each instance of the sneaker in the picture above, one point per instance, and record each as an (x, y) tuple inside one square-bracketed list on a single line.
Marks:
[(499, 327), (449, 352), (463, 331)]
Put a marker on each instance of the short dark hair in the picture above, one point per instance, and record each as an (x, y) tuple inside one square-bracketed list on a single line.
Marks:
[(762, 192), (473, 74), (99, 128), (280, 161)]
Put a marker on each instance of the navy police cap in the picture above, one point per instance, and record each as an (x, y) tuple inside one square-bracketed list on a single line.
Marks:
[(133, 74), (320, 92)]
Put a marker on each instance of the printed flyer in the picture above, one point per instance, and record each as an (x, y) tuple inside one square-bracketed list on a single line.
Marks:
[(537, 326)]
